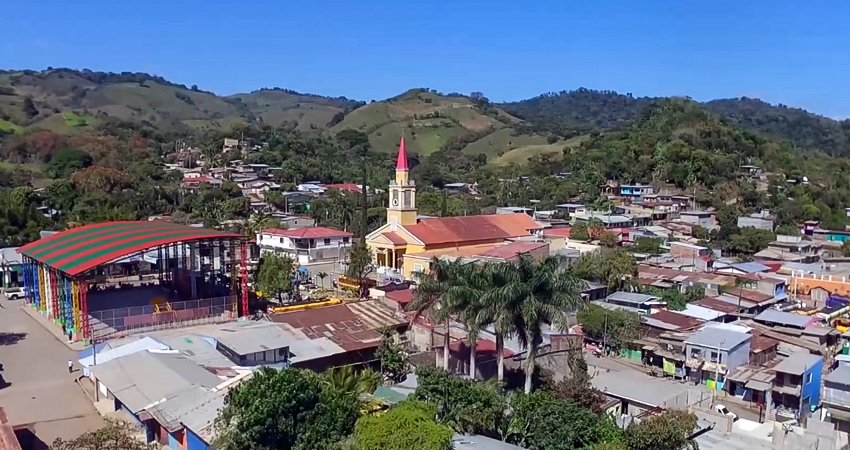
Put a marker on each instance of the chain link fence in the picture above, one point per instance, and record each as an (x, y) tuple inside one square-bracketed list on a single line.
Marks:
[(123, 321)]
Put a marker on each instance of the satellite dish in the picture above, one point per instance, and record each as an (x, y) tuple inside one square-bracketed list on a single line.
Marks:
[(805, 179)]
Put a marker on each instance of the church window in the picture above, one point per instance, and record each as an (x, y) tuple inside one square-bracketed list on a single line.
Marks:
[(407, 199)]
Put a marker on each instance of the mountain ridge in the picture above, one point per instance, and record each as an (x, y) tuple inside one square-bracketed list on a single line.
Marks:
[(69, 101)]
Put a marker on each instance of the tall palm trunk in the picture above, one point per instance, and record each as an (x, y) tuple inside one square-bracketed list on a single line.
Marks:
[(529, 368), (500, 350), (472, 346), (446, 346)]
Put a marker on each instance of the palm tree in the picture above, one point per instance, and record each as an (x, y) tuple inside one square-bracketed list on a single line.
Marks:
[(496, 312), (258, 222), (533, 294), (434, 296), (473, 281), (349, 381)]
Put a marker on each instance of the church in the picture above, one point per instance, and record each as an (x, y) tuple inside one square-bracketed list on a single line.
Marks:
[(406, 243)]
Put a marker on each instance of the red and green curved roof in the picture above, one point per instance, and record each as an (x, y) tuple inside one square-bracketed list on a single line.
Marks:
[(81, 249)]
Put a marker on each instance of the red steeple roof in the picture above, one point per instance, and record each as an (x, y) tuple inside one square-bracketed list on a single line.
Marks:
[(402, 156)]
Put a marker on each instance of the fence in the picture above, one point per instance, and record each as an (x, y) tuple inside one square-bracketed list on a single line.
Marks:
[(111, 322)]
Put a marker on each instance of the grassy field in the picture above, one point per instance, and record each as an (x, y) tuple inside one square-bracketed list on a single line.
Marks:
[(5, 125), (73, 119), (501, 141), (521, 154)]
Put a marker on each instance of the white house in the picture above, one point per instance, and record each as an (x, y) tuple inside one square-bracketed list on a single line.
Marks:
[(306, 245)]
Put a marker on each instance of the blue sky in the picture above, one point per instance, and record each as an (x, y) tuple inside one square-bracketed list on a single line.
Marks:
[(791, 52)]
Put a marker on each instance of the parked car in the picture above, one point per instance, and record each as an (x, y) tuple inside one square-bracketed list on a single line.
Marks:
[(15, 293), (723, 410)]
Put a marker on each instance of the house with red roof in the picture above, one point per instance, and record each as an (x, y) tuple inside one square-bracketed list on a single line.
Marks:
[(406, 234), (306, 245)]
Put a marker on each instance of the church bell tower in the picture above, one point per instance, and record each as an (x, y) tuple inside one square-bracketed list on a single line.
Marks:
[(402, 207)]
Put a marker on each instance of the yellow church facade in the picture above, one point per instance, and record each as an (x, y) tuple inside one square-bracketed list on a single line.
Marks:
[(405, 244)]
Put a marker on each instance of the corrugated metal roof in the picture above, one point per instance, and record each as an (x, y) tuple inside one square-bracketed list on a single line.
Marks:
[(139, 345), (798, 363), (700, 312), (81, 249), (245, 338), (783, 318), (718, 338), (143, 378)]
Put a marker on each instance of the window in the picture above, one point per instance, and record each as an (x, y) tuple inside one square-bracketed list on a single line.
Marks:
[(696, 353), (345, 240), (714, 357), (809, 378), (281, 240), (417, 267), (327, 241)]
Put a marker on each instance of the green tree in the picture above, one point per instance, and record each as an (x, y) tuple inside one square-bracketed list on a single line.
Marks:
[(543, 421), (274, 275), (612, 327), (360, 266), (408, 425), (845, 248), (69, 160), (616, 268), (607, 239), (788, 230), (467, 406), (115, 435), (347, 380), (539, 293), (580, 232), (669, 430), (434, 296), (392, 356), (694, 293), (290, 408), (648, 245)]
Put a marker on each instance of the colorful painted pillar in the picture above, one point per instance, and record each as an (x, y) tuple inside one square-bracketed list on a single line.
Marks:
[(36, 289), (69, 306), (27, 288), (84, 310), (243, 273), (42, 292), (54, 297), (234, 270), (60, 297), (75, 299)]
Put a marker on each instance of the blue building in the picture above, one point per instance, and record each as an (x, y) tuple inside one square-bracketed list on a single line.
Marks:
[(796, 388), (636, 191)]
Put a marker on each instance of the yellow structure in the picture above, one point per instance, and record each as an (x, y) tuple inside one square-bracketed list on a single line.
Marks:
[(406, 234)]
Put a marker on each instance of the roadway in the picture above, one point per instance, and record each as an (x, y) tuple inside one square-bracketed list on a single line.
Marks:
[(36, 388)]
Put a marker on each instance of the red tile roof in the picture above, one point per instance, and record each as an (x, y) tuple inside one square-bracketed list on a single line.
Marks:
[(344, 187), (451, 230), (483, 347), (558, 232), (307, 233), (401, 163), (716, 305), (512, 250), (394, 238), (402, 297), (681, 321), (753, 296), (337, 323)]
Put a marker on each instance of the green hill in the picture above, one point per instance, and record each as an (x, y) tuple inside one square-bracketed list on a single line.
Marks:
[(30, 99)]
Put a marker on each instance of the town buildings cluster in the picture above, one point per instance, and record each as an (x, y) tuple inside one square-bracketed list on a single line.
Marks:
[(770, 335)]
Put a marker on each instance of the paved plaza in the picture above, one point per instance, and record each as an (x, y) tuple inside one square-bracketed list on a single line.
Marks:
[(36, 387)]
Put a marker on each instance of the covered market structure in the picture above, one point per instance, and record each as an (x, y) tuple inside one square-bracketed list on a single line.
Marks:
[(167, 273)]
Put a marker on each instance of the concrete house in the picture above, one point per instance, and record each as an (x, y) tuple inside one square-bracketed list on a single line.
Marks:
[(796, 389), (306, 245), (712, 353), (836, 398)]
